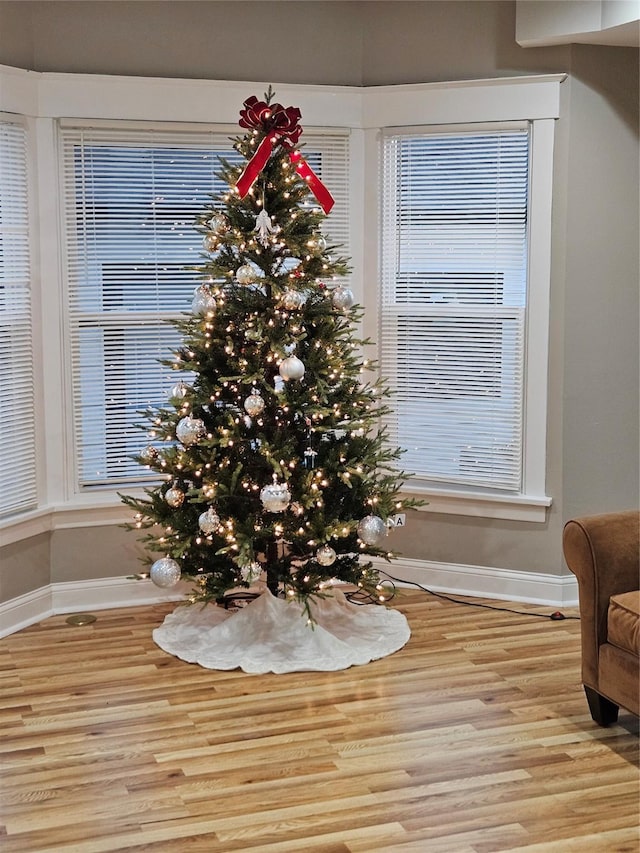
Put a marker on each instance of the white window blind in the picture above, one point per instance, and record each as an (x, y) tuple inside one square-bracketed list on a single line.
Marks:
[(17, 423), (131, 198), (454, 301)]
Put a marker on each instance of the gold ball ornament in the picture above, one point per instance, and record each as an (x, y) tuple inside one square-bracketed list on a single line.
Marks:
[(254, 404), (325, 555), (246, 274), (174, 497), (209, 521)]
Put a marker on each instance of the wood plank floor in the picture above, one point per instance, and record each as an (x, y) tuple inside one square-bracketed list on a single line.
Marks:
[(475, 737)]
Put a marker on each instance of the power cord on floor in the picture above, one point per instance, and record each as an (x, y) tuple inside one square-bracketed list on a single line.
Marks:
[(556, 616)]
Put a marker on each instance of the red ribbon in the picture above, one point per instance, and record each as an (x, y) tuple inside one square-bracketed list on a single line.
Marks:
[(281, 127)]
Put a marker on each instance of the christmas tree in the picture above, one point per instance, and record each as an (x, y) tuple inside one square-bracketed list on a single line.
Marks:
[(273, 459)]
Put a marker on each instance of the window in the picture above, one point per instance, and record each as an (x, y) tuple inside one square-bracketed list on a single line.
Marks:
[(454, 302), (131, 198), (17, 421)]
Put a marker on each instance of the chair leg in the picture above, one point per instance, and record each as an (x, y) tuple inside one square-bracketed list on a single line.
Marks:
[(603, 711)]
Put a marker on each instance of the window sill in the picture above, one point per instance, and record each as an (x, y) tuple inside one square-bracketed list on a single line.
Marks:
[(480, 505), (95, 510), (100, 510)]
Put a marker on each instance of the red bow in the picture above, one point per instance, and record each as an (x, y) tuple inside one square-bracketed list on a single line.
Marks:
[(281, 127)]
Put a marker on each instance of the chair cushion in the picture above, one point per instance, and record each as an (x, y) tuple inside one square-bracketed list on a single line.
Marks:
[(623, 621)]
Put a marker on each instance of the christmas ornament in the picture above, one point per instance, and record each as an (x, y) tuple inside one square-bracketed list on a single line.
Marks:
[(251, 572), (149, 453), (371, 529), (245, 274), (292, 300), (291, 368), (190, 430), (275, 496), (209, 521), (325, 555), (254, 404), (264, 227), (218, 223), (180, 390), (210, 243), (174, 497), (281, 127), (342, 298), (203, 301), (165, 572)]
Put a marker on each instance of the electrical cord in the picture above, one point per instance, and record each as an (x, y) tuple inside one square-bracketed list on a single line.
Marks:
[(556, 616)]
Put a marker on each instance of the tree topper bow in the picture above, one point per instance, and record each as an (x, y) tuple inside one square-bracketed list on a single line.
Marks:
[(281, 127)]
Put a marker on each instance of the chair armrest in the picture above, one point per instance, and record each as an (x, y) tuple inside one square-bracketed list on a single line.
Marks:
[(603, 552)]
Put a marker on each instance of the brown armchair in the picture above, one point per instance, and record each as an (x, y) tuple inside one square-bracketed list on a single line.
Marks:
[(603, 551)]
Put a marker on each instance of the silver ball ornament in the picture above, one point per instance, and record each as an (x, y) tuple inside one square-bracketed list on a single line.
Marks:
[(165, 572), (292, 300), (254, 404), (291, 368), (275, 497), (174, 497), (190, 430), (203, 301), (371, 529), (218, 223), (342, 298), (209, 521), (325, 555), (245, 274), (149, 454)]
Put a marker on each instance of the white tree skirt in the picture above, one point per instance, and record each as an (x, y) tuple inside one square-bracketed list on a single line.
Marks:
[(273, 635)]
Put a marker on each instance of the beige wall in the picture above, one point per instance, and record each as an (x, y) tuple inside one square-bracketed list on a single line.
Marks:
[(593, 404)]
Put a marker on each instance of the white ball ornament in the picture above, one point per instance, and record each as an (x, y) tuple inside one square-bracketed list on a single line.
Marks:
[(209, 521), (291, 368), (203, 301), (179, 391), (342, 298), (254, 404), (245, 274), (165, 572), (149, 453), (174, 497), (275, 497), (371, 529), (190, 430), (325, 555)]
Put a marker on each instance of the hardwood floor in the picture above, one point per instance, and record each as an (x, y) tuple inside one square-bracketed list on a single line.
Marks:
[(475, 737)]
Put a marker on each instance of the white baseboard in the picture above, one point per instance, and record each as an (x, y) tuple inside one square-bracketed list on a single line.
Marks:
[(484, 582), (106, 593), (78, 596)]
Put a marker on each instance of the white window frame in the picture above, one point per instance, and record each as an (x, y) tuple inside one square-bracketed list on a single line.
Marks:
[(156, 136), (491, 103), (18, 432)]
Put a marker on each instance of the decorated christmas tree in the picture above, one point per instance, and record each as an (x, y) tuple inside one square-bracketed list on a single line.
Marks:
[(273, 460)]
